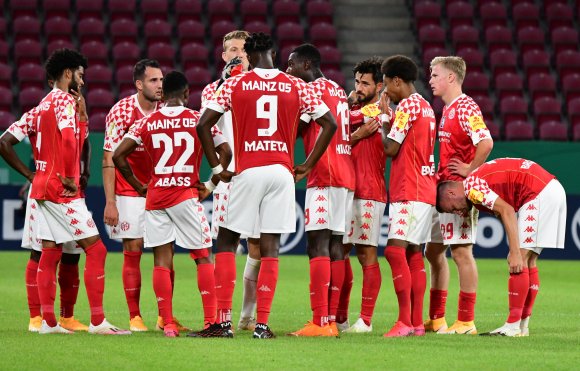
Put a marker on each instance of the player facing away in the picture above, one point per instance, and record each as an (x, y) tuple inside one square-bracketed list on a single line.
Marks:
[(410, 142), (236, 61), (465, 143), (173, 211), (266, 105), (531, 205), (329, 196), (55, 187), (68, 271), (370, 194), (124, 207)]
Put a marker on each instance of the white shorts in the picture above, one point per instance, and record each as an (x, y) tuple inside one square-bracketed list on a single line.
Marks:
[(266, 191), (410, 221), (131, 218), (452, 229), (542, 221), (328, 208), (365, 225), (218, 216), (66, 222), (184, 223)]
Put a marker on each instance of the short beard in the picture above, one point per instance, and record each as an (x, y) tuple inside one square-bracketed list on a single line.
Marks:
[(366, 100), (151, 98), (73, 86)]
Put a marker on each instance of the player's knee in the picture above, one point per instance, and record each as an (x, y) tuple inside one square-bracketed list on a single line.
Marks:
[(70, 259), (435, 256), (462, 256), (367, 255), (35, 255)]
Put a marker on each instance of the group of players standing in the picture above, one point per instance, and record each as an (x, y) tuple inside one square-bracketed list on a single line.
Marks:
[(249, 123)]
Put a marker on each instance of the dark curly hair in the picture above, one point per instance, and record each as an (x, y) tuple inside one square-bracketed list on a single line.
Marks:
[(401, 67), (308, 52), (174, 83), (63, 59), (258, 42), (372, 66)]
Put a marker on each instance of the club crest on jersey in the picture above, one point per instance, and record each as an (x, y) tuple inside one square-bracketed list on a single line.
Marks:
[(125, 226), (451, 114), (475, 196)]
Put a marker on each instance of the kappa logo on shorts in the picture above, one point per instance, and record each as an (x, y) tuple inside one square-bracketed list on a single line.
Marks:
[(32, 217), (529, 240), (531, 207), (400, 232), (33, 206), (321, 210), (203, 219), (223, 208), (530, 218), (321, 221), (530, 229), (404, 211), (464, 225), (402, 222), (125, 226), (207, 240), (369, 204), (78, 232), (206, 229), (365, 226), (70, 211), (464, 236), (363, 237), (367, 215), (199, 209), (320, 198), (91, 223), (74, 221)]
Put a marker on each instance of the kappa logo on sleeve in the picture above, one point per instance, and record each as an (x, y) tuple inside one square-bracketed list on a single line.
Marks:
[(401, 120), (476, 123), (475, 196)]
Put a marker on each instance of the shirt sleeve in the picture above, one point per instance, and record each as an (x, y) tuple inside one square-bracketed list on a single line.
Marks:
[(207, 94), (20, 128), (65, 112), (405, 116), (478, 192), (136, 131), (113, 128), (310, 102), (222, 99), (471, 121)]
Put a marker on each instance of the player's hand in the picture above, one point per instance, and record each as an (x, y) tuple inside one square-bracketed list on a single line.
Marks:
[(368, 129), (202, 191), (385, 104), (81, 105), (70, 188), (352, 99), (84, 181), (226, 176), (142, 190), (516, 263), (111, 214), (300, 172), (457, 167)]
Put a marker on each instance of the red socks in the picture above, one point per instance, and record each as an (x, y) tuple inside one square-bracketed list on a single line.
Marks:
[(164, 293), (32, 288), (267, 280), (336, 283), (532, 292), (68, 280), (401, 280), (46, 278), (437, 301), (418, 285), (466, 306), (206, 286), (342, 312), (225, 282), (319, 283), (518, 287), (95, 279), (370, 291), (132, 280)]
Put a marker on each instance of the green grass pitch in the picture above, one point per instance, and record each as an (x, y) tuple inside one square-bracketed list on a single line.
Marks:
[(553, 344)]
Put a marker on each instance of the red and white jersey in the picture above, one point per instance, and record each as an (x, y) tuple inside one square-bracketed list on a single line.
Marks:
[(369, 159), (335, 168), (170, 140), (460, 130), (56, 112), (413, 168), (266, 105), (515, 180), (25, 127), (120, 118)]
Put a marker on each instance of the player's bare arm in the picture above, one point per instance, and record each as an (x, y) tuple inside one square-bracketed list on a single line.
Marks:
[(207, 120), (482, 151), (507, 215), (85, 164), (81, 105), (7, 142), (390, 146), (329, 126), (70, 165), (124, 149), (111, 213)]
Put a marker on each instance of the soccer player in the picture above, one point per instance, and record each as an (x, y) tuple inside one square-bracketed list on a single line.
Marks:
[(68, 273), (531, 204), (124, 207), (465, 143), (55, 188), (329, 196), (410, 143), (370, 194), (173, 211), (266, 105), (235, 58)]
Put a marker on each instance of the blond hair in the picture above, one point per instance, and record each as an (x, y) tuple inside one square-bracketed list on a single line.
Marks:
[(453, 64), (237, 34)]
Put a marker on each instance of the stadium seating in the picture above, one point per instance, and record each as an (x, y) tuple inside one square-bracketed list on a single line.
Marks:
[(5, 75), (519, 130), (6, 118), (97, 121), (188, 10), (31, 75), (91, 29), (254, 10), (98, 77), (286, 11), (554, 130)]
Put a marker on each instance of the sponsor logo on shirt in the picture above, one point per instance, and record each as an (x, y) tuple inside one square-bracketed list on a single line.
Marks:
[(475, 196), (476, 123), (401, 120)]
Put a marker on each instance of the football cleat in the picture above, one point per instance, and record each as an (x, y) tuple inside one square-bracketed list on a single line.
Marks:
[(310, 329), (399, 330), (359, 327), (247, 324), (342, 327), (331, 330), (508, 329), (215, 330), (435, 325), (136, 324), (72, 324), (262, 331), (159, 325), (460, 328), (105, 328), (170, 331), (524, 323), (34, 324), (419, 331), (46, 329)]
